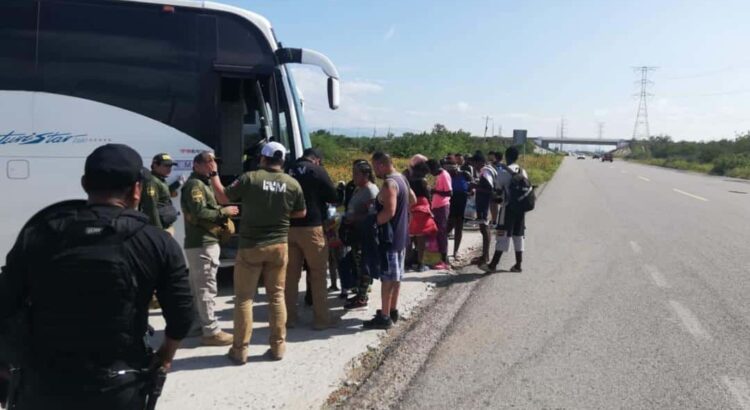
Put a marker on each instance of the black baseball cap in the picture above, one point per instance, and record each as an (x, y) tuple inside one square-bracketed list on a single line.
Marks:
[(164, 159), (113, 166)]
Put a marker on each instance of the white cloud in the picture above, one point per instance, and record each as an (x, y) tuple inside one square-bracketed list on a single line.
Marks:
[(357, 106), (463, 106), (390, 33), (361, 87)]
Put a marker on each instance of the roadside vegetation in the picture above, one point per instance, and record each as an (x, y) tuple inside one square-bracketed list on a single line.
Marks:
[(724, 157), (341, 150)]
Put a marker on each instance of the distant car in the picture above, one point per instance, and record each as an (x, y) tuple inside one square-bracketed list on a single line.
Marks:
[(607, 157), (581, 156), (595, 156)]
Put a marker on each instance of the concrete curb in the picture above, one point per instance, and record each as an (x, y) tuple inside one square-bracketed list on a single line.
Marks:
[(407, 354)]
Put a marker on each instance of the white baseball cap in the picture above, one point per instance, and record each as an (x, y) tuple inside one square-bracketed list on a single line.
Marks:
[(273, 150)]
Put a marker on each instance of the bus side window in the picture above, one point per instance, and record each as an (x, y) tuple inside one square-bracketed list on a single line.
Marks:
[(232, 114)]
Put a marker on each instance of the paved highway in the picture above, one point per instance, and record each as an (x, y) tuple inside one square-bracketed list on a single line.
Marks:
[(634, 295)]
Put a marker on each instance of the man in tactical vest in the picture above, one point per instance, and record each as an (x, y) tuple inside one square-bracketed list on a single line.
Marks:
[(204, 219), (82, 274), (156, 200)]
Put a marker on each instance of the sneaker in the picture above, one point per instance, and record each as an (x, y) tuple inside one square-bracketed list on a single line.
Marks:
[(422, 268), (220, 339), (344, 294), (487, 268), (334, 288), (353, 298), (356, 303), (379, 321), (441, 266), (516, 268), (394, 316)]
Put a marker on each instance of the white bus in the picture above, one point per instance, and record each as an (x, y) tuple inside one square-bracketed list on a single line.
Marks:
[(173, 76)]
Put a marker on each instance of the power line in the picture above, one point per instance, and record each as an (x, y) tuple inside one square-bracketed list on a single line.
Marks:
[(487, 119), (641, 127), (562, 132)]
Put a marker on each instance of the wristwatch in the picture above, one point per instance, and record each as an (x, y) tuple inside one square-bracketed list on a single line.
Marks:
[(213, 174)]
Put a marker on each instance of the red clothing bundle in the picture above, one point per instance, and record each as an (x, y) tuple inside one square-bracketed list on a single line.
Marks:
[(422, 223)]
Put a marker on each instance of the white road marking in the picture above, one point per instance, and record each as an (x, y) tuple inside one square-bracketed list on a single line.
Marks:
[(689, 194), (635, 246), (612, 167), (656, 276), (739, 389), (623, 171), (644, 178), (691, 323)]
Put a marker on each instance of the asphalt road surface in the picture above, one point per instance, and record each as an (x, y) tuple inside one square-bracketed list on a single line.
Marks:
[(634, 295)]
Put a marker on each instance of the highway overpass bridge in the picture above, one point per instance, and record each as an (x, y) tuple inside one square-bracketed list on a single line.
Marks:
[(545, 142)]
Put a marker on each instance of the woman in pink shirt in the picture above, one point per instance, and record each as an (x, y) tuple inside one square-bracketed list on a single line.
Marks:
[(441, 200)]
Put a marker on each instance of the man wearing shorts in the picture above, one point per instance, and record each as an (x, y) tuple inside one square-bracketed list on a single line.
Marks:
[(393, 215)]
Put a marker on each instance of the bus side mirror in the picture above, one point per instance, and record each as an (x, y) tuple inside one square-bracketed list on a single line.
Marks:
[(314, 58), (334, 94)]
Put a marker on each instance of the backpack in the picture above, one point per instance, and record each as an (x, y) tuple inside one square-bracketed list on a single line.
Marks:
[(83, 291), (522, 198)]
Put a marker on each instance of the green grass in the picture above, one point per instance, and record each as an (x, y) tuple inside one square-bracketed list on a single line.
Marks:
[(541, 168), (678, 164)]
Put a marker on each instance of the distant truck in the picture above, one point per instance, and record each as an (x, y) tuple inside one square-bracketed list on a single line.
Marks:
[(607, 157)]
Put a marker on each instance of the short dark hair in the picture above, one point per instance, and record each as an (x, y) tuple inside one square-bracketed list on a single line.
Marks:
[(420, 170), (433, 165), (275, 160), (511, 155), (312, 153), (499, 155), (382, 158), (204, 157), (364, 168)]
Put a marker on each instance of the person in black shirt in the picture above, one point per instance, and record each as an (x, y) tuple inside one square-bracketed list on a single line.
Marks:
[(307, 242), (83, 274)]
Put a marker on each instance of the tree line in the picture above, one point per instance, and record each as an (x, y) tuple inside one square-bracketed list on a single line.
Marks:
[(434, 144), (729, 157)]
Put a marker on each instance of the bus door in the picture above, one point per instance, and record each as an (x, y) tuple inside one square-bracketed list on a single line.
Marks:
[(252, 111)]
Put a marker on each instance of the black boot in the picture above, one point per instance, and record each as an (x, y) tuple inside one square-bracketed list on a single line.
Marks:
[(492, 266), (519, 260)]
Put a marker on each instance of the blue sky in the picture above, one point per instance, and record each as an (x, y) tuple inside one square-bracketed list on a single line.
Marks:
[(409, 64)]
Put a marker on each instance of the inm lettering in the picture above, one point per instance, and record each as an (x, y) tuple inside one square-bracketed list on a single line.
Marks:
[(274, 186)]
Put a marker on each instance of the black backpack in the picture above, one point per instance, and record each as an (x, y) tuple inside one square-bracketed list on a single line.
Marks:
[(83, 291), (522, 198)]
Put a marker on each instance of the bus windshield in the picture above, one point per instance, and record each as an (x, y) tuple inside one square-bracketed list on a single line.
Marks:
[(298, 105)]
